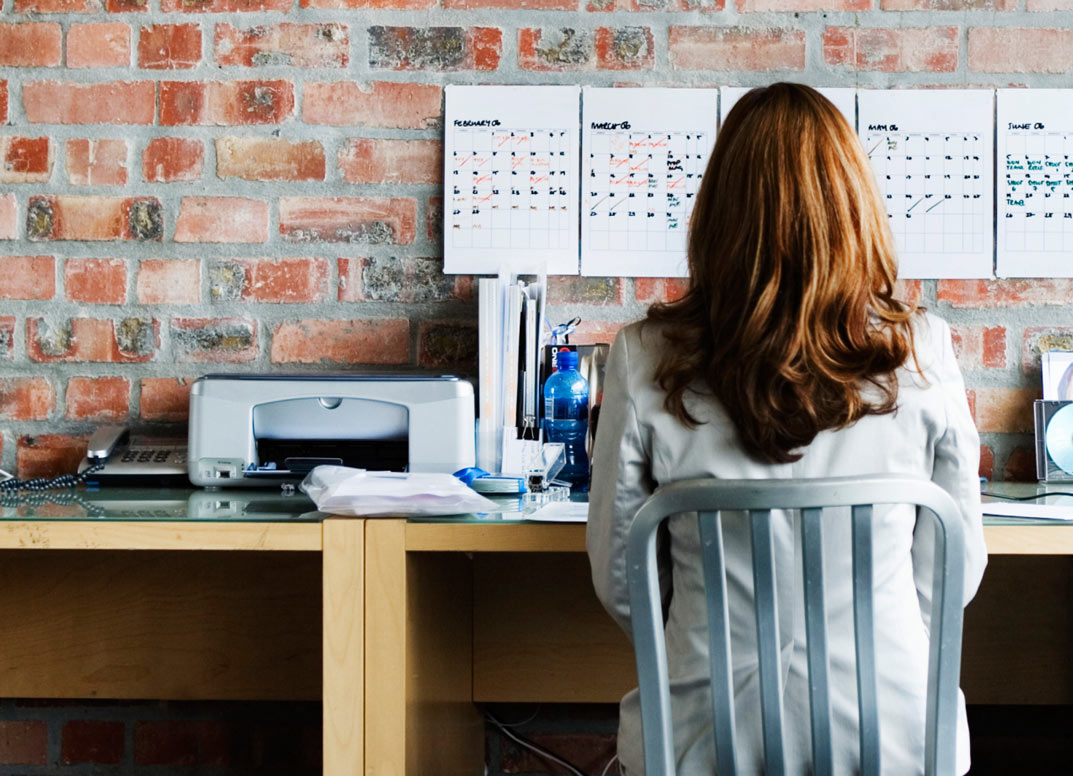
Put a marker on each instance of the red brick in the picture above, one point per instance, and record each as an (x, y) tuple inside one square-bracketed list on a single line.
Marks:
[(30, 44), (909, 291), (25, 159), (987, 462), (381, 104), (530, 5), (269, 159), (369, 220), (368, 341), (222, 220), (92, 741), (94, 218), (97, 162), (418, 5), (1049, 5), (295, 45), (127, 6), (594, 291), (224, 103), (224, 6), (9, 217), (168, 281), (98, 398), (27, 277), (450, 344), (1020, 50), (3, 102), (7, 337), (169, 46), (980, 347), (441, 49), (736, 48), (165, 399), (214, 340), (181, 743), (269, 280), (367, 160), (65, 102), (804, 6), (556, 49), (902, 49), (400, 279), (590, 332), (1005, 293), (654, 5), (92, 339), (1020, 466), (23, 743), (434, 219), (54, 6), (105, 44), (625, 48), (170, 159), (44, 455), (649, 290), (25, 398), (1039, 339), (96, 281), (1004, 410)]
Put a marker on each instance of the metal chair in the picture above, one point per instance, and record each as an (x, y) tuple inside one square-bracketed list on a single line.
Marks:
[(708, 497)]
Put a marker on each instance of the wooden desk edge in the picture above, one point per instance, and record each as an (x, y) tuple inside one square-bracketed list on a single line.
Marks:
[(495, 537), (159, 535)]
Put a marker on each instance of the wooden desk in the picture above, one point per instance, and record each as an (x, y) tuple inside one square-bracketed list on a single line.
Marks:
[(401, 627)]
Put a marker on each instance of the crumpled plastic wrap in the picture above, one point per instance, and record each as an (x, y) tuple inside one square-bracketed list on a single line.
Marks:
[(340, 490)]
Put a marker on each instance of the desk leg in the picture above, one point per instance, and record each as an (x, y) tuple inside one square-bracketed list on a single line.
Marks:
[(419, 659), (343, 646)]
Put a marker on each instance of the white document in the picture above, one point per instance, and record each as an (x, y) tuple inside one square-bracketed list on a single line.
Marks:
[(561, 512), (510, 179), (643, 154), (1035, 183), (1033, 511), (931, 150), (843, 98)]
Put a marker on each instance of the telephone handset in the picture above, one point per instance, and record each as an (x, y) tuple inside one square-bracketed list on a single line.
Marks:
[(137, 463)]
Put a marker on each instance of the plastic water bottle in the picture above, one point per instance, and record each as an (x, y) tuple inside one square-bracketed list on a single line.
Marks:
[(566, 417)]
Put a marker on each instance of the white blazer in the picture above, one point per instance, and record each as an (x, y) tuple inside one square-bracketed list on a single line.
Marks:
[(640, 446)]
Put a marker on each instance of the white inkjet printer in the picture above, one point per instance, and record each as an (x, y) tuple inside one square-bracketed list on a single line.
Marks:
[(250, 430)]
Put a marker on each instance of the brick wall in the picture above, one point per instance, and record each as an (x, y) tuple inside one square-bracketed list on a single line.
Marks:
[(203, 185)]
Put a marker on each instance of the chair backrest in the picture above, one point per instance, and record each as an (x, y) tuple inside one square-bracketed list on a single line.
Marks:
[(708, 497)]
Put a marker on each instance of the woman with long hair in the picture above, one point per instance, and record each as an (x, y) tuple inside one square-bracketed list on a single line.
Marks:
[(787, 357)]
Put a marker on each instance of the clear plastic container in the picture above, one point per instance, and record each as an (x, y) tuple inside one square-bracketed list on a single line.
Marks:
[(566, 418)]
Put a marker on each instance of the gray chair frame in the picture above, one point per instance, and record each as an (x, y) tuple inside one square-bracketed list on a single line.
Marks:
[(708, 497)]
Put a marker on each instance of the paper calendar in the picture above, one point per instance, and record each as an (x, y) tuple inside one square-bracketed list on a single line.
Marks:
[(643, 156), (510, 178), (932, 154), (1035, 183)]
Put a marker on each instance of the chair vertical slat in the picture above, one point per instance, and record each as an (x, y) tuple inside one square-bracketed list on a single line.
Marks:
[(816, 635), (767, 640), (864, 626), (711, 536)]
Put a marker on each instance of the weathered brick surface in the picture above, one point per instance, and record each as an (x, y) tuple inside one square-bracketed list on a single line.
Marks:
[(225, 103), (269, 159), (1020, 466), (649, 290), (369, 341), (171, 159), (59, 102), (1020, 50), (1005, 410), (168, 281), (980, 347), (949, 5), (1005, 293), (1037, 340), (169, 46), (365, 220), (435, 48), (654, 5), (268, 280), (367, 160), (25, 159), (400, 279), (165, 398), (214, 340), (23, 743), (97, 162), (9, 217), (124, 340), (41, 455), (296, 45), (100, 742), (27, 277), (222, 220), (375, 4), (930, 49), (3, 101), (448, 344), (98, 398), (95, 281), (25, 398), (224, 6), (594, 291), (802, 6), (736, 48), (94, 218), (7, 337), (380, 104), (103, 44), (30, 44)]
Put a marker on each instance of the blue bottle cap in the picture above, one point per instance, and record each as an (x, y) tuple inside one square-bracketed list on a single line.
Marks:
[(566, 360)]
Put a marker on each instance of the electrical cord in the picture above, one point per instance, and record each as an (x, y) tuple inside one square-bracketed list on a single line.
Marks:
[(38, 484), (536, 748)]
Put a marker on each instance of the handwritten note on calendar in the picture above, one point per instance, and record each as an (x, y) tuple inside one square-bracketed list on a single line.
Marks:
[(931, 151), (643, 154), (510, 179), (1035, 183)]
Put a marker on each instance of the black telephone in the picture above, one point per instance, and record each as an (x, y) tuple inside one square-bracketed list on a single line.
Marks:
[(127, 463)]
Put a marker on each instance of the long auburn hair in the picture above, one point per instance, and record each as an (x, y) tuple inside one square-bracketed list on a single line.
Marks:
[(790, 310)]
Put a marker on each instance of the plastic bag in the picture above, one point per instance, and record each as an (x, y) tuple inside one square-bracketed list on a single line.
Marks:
[(340, 490)]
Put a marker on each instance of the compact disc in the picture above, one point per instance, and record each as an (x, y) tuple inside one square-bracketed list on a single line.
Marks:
[(1060, 438)]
